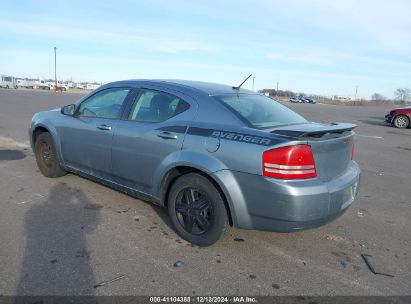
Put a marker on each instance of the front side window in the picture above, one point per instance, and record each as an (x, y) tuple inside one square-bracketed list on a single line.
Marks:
[(104, 104), (156, 106), (259, 111)]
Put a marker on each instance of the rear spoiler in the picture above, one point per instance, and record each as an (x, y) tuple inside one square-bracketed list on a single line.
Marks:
[(314, 130)]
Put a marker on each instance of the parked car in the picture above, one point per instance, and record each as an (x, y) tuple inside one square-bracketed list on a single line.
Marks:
[(214, 155), (80, 86), (309, 100), (400, 117), (295, 100)]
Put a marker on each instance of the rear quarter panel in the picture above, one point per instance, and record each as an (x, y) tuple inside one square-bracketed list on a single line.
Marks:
[(238, 149), (218, 140)]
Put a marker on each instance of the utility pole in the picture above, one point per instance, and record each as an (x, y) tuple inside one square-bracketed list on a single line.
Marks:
[(253, 82), (276, 92), (55, 67), (356, 91)]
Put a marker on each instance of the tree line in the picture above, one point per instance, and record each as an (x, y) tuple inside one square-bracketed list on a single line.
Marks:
[(402, 95)]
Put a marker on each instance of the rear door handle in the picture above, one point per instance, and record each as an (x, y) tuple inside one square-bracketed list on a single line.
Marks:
[(167, 135), (104, 127)]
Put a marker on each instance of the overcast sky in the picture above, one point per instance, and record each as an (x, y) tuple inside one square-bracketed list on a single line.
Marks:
[(319, 46)]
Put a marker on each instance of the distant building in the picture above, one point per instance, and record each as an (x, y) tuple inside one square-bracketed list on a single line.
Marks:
[(345, 98)]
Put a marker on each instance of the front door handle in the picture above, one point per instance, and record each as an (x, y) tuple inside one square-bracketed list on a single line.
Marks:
[(104, 127), (167, 135)]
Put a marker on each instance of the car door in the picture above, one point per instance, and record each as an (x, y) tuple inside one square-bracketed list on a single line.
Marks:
[(86, 139), (152, 132)]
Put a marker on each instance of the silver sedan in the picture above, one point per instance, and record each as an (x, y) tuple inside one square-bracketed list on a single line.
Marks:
[(214, 155)]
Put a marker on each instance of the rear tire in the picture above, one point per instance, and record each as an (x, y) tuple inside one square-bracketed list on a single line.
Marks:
[(46, 156), (197, 210), (401, 121)]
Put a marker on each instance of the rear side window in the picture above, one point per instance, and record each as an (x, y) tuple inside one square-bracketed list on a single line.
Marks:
[(259, 111), (156, 106)]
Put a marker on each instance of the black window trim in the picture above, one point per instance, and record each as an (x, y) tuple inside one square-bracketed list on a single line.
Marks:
[(134, 93), (232, 110), (134, 98)]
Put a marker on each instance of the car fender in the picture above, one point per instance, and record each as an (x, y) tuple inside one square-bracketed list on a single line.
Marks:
[(405, 113), (213, 168), (400, 113), (197, 160), (234, 196), (48, 125)]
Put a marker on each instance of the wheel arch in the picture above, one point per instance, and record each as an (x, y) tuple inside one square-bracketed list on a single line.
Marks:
[(174, 173), (40, 128), (37, 131), (408, 115)]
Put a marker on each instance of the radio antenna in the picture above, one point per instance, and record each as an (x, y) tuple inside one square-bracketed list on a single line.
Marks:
[(238, 88)]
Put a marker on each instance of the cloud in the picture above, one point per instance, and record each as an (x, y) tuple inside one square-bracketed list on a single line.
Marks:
[(301, 58), (319, 43), (177, 46), (332, 58), (376, 22), (148, 40)]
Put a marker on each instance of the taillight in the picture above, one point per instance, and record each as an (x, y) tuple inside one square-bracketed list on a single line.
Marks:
[(352, 151), (291, 162)]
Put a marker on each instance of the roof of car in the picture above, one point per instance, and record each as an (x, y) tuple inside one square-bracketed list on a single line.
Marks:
[(208, 88)]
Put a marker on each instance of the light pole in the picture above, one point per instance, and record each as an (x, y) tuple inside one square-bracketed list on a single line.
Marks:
[(55, 67), (276, 92), (253, 82)]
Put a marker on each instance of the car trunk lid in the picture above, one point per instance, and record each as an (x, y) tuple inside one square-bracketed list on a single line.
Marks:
[(331, 145)]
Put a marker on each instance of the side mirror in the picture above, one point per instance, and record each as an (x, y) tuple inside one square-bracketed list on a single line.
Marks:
[(68, 110)]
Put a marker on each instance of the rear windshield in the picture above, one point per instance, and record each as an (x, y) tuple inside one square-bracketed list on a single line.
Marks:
[(259, 111)]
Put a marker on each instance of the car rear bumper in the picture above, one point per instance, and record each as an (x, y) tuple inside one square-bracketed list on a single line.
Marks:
[(270, 204)]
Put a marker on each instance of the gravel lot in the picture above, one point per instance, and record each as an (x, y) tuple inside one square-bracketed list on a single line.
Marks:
[(63, 236)]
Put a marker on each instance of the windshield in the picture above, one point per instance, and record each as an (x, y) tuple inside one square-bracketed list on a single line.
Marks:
[(259, 111)]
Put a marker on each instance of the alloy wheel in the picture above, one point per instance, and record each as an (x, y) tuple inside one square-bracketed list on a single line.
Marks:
[(194, 211), (401, 122)]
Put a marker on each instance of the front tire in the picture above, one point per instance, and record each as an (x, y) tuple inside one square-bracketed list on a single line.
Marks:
[(197, 210), (401, 121), (46, 156)]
